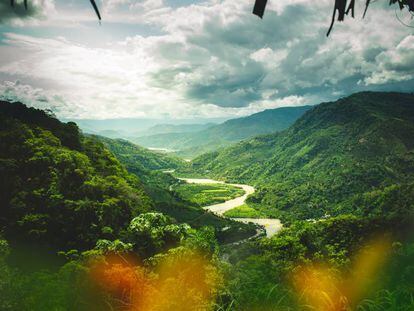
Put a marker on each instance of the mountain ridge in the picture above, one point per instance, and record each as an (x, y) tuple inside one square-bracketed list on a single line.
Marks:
[(332, 156), (217, 136)]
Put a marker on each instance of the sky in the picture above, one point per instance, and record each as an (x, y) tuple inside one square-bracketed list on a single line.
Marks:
[(183, 59)]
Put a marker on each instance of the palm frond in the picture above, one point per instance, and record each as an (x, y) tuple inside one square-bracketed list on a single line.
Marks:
[(340, 6), (95, 7)]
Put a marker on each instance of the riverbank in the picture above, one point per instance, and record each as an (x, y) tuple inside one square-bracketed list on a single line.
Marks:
[(271, 226)]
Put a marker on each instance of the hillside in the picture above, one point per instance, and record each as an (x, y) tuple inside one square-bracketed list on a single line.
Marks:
[(149, 167), (138, 159), (59, 189), (62, 191), (189, 144), (352, 155)]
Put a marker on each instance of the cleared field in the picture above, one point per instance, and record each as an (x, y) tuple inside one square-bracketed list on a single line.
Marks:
[(243, 211), (207, 194)]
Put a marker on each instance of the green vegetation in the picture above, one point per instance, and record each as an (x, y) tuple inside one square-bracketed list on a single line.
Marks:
[(317, 265), (149, 167), (243, 211), (68, 205), (59, 189), (341, 157), (138, 159), (84, 228), (207, 194), (191, 144)]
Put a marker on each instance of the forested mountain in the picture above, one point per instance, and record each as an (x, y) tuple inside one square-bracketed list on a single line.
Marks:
[(352, 155), (149, 166), (59, 188), (189, 144), (66, 203), (97, 202), (138, 159)]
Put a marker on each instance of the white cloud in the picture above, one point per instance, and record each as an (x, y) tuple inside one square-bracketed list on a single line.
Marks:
[(213, 58), (395, 64), (37, 97)]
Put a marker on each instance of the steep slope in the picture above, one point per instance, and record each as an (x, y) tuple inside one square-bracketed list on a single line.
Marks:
[(352, 155), (138, 159), (58, 188), (194, 143), (149, 167)]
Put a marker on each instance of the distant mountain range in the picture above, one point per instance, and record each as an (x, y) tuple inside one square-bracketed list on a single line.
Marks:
[(192, 143), (175, 128), (134, 127)]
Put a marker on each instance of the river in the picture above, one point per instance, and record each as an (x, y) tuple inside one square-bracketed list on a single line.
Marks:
[(271, 226)]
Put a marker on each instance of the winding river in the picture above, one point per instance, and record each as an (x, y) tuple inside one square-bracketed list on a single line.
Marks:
[(271, 226)]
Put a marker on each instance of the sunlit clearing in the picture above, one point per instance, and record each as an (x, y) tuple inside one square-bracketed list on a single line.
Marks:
[(180, 281), (324, 288)]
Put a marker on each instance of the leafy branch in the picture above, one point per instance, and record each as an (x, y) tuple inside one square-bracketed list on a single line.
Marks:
[(340, 7)]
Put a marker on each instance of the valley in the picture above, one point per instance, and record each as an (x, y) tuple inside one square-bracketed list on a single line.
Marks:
[(189, 144), (271, 226), (262, 220)]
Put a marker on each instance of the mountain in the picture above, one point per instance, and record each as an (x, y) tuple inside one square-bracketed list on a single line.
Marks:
[(137, 159), (59, 189), (148, 165), (189, 144), (175, 128), (134, 127), (353, 155)]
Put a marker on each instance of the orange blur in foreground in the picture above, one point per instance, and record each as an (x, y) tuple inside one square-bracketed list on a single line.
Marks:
[(327, 289), (182, 283)]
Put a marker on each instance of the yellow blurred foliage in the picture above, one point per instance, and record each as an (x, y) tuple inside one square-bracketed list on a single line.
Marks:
[(181, 282), (324, 288)]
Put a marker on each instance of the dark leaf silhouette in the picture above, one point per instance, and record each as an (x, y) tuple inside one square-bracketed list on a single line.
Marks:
[(259, 8), (95, 7), (366, 8), (340, 7), (351, 8)]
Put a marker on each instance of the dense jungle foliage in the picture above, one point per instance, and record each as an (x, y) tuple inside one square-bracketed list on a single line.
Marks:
[(86, 228)]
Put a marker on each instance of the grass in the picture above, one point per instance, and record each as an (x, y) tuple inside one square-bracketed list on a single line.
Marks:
[(243, 211), (207, 194)]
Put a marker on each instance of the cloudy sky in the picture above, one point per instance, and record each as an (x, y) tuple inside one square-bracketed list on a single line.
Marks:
[(191, 59)]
